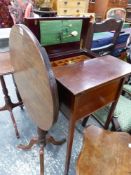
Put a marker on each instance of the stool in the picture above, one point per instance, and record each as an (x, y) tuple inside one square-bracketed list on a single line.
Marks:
[(5, 69), (104, 153)]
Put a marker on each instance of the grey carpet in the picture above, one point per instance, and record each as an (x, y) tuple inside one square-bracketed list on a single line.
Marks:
[(16, 162)]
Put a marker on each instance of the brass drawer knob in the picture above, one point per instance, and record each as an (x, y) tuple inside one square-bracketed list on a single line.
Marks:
[(65, 2)]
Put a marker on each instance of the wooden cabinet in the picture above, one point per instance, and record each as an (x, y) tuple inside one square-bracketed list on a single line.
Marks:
[(102, 6), (91, 8), (71, 7), (128, 14)]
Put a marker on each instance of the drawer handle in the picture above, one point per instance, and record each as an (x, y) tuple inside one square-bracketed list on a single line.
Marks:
[(78, 3), (65, 11), (77, 11), (65, 2), (74, 33)]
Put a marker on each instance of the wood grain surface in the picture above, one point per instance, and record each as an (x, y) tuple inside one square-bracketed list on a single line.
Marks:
[(104, 153), (86, 75), (34, 77)]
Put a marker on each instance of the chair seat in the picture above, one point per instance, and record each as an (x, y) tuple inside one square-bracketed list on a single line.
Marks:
[(122, 112), (104, 153)]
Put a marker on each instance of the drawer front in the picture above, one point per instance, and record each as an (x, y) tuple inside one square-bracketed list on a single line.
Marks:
[(97, 98), (57, 32), (70, 11), (67, 7), (71, 4), (70, 26)]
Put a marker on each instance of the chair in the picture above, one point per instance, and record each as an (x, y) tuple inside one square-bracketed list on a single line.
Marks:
[(116, 13), (108, 29), (104, 153)]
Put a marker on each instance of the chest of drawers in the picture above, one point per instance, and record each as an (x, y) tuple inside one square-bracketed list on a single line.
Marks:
[(71, 7)]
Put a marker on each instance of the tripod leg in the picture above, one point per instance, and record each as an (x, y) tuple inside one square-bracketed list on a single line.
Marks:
[(29, 146), (51, 139)]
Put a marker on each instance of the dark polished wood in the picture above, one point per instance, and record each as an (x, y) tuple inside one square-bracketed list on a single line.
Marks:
[(104, 153), (85, 87), (5, 69)]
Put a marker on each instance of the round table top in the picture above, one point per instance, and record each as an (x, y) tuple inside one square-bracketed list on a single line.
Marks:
[(34, 77)]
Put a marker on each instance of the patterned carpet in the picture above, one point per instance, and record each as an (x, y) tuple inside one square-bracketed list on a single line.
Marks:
[(16, 162)]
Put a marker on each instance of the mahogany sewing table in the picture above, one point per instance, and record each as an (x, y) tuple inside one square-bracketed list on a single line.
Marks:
[(87, 86)]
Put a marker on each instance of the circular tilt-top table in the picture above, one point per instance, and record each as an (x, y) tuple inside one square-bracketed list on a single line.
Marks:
[(36, 84)]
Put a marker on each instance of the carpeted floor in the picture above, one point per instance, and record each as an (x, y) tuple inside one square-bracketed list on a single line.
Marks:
[(16, 162)]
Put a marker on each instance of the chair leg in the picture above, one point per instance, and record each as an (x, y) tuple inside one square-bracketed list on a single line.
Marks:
[(116, 124), (85, 121)]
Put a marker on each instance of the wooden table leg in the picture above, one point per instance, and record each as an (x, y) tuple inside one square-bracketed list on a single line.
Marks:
[(9, 105), (69, 145), (42, 139), (17, 93), (113, 106)]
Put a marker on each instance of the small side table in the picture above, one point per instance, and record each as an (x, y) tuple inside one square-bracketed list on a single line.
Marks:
[(5, 69)]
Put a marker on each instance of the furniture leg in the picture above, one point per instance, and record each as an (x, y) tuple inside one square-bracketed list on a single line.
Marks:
[(69, 145), (42, 139), (17, 93), (14, 124), (8, 104), (85, 121), (110, 115), (41, 160), (113, 106)]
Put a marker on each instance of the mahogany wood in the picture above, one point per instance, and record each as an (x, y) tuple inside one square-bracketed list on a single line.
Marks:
[(36, 82), (104, 152), (5, 69), (34, 77), (85, 87)]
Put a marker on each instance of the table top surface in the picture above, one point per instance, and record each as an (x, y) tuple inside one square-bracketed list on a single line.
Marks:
[(5, 64), (85, 75), (34, 77)]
